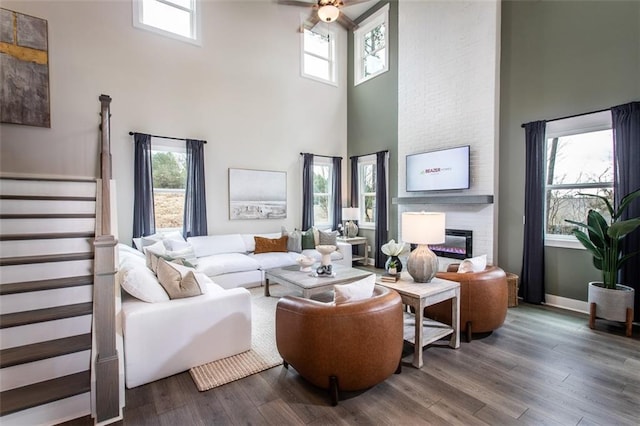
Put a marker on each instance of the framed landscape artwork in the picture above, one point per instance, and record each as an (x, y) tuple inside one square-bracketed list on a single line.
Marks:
[(257, 194), (24, 70)]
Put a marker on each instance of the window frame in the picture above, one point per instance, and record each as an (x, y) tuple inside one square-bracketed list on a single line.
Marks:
[(332, 60), (381, 16), (162, 145), (566, 127), (194, 12), (365, 161), (324, 162)]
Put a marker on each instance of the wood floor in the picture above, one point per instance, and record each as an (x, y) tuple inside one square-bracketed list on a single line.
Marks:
[(543, 367)]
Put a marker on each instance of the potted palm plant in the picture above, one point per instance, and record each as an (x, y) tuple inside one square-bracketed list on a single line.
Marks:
[(607, 298)]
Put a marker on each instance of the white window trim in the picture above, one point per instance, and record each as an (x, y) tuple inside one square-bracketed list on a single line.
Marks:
[(322, 161), (196, 32), (379, 17), (565, 127), (365, 160), (333, 57)]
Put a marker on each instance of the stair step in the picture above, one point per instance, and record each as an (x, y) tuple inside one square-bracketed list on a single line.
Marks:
[(41, 285), (48, 314), (49, 216), (43, 350), (47, 236), (46, 197), (23, 260), (45, 392)]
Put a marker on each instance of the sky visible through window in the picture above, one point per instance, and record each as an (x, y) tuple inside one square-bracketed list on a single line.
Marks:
[(168, 18)]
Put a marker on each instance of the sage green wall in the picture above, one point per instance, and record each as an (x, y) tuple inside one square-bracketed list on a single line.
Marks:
[(558, 58), (372, 108)]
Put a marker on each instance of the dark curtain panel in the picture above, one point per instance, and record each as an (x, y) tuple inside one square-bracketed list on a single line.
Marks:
[(626, 137), (381, 208), (337, 192), (195, 201), (532, 275), (143, 215), (354, 182), (307, 191)]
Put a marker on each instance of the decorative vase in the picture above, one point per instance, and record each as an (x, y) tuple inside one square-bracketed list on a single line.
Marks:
[(325, 251), (398, 264)]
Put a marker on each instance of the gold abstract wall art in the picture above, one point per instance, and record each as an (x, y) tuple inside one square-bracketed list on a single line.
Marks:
[(24, 70)]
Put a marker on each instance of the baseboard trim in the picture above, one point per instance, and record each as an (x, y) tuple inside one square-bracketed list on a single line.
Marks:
[(566, 303)]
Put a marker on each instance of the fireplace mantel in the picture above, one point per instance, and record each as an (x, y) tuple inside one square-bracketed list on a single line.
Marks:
[(445, 199)]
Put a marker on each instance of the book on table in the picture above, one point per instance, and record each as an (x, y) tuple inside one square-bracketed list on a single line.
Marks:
[(389, 278)]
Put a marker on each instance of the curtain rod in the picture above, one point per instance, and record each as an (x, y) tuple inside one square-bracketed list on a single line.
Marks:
[(162, 137), (364, 155), (574, 115), (318, 155)]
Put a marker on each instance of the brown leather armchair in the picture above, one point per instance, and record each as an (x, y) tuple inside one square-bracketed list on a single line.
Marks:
[(483, 300), (347, 347)]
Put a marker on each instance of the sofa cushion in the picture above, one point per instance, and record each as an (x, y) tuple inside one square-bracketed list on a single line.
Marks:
[(226, 263), (217, 244), (270, 245), (294, 243), (357, 290), (178, 281), (141, 243), (328, 238), (275, 259)]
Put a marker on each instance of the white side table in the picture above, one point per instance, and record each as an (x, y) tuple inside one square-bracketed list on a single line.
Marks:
[(417, 329), (357, 241)]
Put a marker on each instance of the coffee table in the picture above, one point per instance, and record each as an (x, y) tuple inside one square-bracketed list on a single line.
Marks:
[(419, 330), (290, 276)]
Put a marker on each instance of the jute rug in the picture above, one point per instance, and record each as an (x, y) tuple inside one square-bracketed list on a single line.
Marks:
[(262, 355)]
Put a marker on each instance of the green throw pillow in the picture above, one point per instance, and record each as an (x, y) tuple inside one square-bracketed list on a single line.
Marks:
[(308, 241)]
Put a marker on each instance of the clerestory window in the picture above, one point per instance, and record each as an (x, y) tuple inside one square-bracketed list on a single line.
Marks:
[(319, 55), (179, 19), (371, 46)]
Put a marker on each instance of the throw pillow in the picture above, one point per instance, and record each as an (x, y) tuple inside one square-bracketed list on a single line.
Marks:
[(328, 238), (269, 245), (473, 264), (141, 283), (294, 242), (177, 280), (308, 242), (357, 290), (177, 249), (153, 252)]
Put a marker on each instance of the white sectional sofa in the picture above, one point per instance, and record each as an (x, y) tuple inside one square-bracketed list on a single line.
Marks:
[(228, 259), (163, 337)]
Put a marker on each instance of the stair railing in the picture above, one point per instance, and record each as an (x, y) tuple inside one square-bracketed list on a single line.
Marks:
[(106, 368)]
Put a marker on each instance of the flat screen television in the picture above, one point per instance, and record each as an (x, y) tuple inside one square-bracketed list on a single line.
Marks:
[(445, 169)]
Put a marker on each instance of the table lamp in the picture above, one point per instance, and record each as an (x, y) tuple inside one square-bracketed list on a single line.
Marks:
[(350, 214), (423, 228)]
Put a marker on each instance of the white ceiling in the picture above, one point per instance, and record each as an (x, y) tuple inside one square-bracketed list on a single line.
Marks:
[(357, 9)]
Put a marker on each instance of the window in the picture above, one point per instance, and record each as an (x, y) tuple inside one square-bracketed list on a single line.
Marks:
[(322, 193), (169, 173), (179, 19), (371, 41), (318, 55), (579, 159), (367, 191)]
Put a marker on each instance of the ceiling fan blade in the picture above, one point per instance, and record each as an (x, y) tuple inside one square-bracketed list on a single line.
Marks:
[(347, 3), (346, 22), (310, 22), (295, 3)]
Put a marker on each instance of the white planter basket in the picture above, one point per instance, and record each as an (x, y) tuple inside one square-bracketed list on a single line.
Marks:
[(611, 304)]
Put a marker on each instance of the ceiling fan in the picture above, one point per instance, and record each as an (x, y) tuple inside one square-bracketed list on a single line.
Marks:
[(325, 10)]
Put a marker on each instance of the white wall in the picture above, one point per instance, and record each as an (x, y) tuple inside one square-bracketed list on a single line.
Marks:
[(241, 91), (448, 96)]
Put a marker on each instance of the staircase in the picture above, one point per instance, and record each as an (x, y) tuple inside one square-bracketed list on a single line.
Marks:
[(47, 230)]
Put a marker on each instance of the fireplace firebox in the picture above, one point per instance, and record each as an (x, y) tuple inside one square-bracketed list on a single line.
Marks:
[(457, 245)]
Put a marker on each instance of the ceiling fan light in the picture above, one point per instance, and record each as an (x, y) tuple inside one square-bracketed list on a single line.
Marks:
[(328, 13)]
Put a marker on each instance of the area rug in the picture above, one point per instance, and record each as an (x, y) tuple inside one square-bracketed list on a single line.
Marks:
[(262, 355)]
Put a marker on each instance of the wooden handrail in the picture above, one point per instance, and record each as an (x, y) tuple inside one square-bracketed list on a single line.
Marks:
[(105, 163)]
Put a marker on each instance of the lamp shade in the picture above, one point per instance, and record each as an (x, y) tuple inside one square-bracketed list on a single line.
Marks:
[(328, 13), (423, 227), (350, 213)]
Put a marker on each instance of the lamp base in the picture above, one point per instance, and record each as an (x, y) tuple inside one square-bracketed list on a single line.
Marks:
[(351, 229), (422, 264)]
